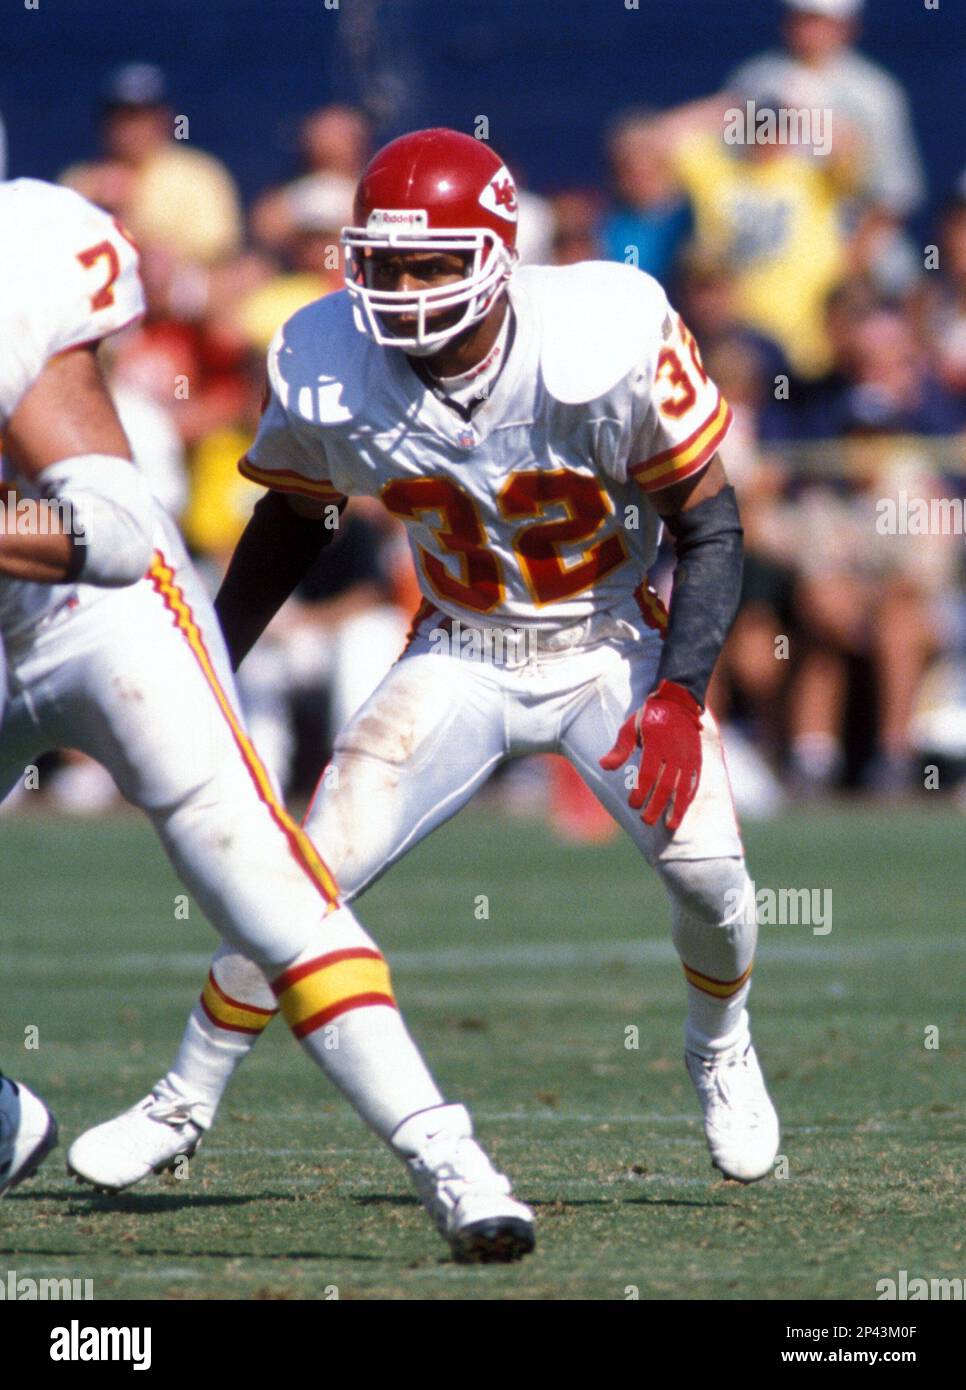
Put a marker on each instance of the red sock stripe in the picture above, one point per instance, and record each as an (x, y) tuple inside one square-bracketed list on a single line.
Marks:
[(237, 1003), (324, 1016), (309, 967), (718, 989), (225, 1026)]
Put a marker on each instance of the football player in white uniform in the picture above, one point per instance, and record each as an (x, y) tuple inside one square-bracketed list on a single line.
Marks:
[(533, 431), (138, 678), (77, 505)]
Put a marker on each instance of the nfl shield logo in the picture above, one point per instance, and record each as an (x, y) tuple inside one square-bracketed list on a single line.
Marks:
[(466, 439)]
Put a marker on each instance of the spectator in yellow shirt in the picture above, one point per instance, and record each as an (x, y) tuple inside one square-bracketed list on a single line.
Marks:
[(167, 193), (768, 209)]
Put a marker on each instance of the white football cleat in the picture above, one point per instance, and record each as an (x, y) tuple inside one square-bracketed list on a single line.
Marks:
[(28, 1132), (146, 1139), (740, 1122), (470, 1202)]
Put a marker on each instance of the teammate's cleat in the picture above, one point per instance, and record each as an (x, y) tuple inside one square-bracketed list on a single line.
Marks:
[(28, 1132), (146, 1139), (470, 1202), (739, 1119)]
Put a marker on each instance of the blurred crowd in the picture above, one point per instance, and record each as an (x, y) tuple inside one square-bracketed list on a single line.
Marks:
[(839, 341)]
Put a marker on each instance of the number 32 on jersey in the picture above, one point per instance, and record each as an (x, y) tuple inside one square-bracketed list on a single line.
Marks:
[(480, 585)]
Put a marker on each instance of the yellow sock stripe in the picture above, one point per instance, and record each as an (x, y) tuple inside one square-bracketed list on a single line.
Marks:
[(162, 577), (319, 990), (232, 1014), (720, 989)]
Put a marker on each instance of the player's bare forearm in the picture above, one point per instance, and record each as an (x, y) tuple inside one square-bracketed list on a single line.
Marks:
[(34, 542), (93, 518), (702, 517), (67, 413), (683, 496), (277, 549)]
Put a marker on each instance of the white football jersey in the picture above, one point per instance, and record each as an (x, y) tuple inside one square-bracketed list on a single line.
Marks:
[(68, 276), (533, 508)]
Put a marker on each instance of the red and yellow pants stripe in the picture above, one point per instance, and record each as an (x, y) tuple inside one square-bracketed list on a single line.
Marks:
[(162, 577)]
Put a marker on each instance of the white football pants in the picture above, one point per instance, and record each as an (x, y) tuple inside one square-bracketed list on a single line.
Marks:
[(139, 680), (433, 732)]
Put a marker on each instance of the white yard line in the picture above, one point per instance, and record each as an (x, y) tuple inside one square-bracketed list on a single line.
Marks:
[(454, 960)]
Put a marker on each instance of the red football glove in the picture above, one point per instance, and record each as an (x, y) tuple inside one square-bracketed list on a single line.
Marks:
[(668, 728)]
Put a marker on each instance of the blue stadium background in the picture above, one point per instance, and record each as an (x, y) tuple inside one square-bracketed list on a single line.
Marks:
[(547, 73)]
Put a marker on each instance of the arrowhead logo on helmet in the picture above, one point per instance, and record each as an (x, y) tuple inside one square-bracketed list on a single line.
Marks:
[(500, 195), (431, 191)]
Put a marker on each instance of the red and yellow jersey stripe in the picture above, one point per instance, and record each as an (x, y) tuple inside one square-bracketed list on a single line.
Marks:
[(687, 458), (287, 480)]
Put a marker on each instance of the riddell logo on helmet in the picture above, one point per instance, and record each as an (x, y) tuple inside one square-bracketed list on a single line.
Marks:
[(500, 195), (398, 219)]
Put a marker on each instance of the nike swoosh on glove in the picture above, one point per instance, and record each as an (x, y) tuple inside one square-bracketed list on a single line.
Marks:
[(668, 729)]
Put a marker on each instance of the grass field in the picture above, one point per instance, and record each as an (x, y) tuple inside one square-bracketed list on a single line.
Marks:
[(522, 1015)]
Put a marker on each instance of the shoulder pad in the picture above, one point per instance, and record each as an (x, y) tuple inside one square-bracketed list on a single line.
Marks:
[(598, 320), (318, 361), (45, 214)]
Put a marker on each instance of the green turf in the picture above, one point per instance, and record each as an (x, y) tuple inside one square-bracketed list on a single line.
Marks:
[(524, 1016)]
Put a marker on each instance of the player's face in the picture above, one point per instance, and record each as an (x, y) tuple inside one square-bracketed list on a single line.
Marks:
[(407, 272)]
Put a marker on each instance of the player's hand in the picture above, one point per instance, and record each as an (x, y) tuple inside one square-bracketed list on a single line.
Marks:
[(668, 729)]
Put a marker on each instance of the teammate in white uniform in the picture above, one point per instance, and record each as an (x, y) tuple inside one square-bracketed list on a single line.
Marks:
[(531, 432), (139, 679), (68, 277)]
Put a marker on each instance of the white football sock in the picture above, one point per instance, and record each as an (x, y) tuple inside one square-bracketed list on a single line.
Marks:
[(337, 999), (235, 1007), (715, 931)]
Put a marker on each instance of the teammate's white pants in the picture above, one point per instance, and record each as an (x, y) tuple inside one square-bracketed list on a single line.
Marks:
[(139, 680)]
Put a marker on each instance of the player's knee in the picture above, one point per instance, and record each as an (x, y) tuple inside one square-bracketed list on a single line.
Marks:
[(716, 891), (240, 978)]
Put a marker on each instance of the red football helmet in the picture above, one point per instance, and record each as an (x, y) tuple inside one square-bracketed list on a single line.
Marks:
[(433, 190)]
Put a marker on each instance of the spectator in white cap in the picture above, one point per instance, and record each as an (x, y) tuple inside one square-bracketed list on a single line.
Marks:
[(821, 69)]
